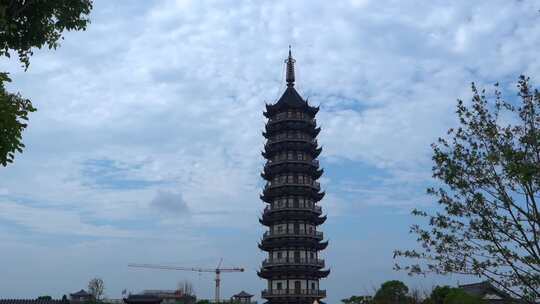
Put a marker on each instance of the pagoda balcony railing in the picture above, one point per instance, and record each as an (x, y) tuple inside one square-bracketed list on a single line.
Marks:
[(282, 118), (272, 234), (293, 261), (273, 208), (314, 162), (293, 292), (276, 140), (271, 184)]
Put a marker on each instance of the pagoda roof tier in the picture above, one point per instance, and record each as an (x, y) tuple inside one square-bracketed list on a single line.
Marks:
[(271, 130), (271, 244), (274, 163), (290, 100), (270, 193), (289, 167), (299, 271), (312, 149), (271, 218), (285, 118), (291, 142)]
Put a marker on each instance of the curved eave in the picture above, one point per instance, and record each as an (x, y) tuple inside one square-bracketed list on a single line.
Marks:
[(270, 170), (268, 196), (268, 247), (298, 271), (270, 149), (273, 192), (285, 125), (272, 244), (272, 217)]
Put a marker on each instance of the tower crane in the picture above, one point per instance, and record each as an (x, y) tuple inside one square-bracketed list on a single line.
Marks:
[(218, 270)]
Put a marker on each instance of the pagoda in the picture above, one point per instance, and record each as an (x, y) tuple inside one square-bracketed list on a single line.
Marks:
[(293, 266)]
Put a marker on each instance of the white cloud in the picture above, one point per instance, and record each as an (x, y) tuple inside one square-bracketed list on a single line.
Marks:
[(170, 203)]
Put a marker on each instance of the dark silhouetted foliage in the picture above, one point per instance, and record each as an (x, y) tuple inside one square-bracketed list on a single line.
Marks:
[(458, 296), (14, 112), (358, 300), (26, 24), (392, 292)]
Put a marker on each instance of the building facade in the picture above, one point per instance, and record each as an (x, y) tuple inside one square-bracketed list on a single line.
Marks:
[(171, 296), (489, 293), (293, 242)]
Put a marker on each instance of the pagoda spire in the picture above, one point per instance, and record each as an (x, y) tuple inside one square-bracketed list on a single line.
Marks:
[(290, 69)]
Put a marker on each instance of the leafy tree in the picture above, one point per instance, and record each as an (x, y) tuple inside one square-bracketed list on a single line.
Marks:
[(96, 288), (45, 298), (14, 112), (489, 221), (358, 300), (392, 292), (438, 294), (27, 24), (204, 302), (458, 296)]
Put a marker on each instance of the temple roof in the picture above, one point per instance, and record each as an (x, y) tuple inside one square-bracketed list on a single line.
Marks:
[(80, 293), (243, 294), (483, 289), (290, 99)]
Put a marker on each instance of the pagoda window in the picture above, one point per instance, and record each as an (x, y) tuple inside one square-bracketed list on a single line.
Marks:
[(296, 202), (312, 255), (279, 255), (279, 286), (300, 179), (300, 156), (290, 155), (289, 114)]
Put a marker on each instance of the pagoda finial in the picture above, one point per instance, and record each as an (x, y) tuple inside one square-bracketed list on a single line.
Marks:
[(290, 69)]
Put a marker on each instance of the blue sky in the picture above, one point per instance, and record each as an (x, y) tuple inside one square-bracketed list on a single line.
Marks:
[(146, 146)]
